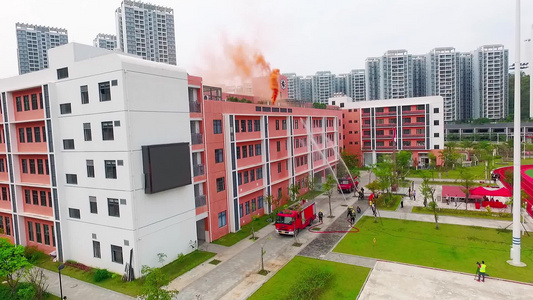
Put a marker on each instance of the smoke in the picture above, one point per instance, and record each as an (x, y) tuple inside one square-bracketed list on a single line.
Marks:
[(238, 63)]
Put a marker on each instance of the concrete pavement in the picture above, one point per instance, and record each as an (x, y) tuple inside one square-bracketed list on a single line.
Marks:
[(400, 281), (80, 290)]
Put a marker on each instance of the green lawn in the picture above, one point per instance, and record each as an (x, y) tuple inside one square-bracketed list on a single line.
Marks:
[(233, 238), (529, 173), (310, 195), (477, 171), (172, 270), (482, 214), (452, 247), (346, 282), (391, 204)]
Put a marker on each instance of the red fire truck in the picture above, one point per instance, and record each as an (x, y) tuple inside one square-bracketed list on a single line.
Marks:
[(346, 184), (296, 217)]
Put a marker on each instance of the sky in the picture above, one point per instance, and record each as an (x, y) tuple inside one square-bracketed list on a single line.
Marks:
[(295, 36)]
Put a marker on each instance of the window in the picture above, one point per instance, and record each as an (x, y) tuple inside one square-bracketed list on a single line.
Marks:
[(436, 122), (238, 152), (107, 131), (26, 103), (221, 184), (32, 166), (245, 177), (2, 168), (84, 94), (49, 199), (41, 100), (436, 134), (8, 226), (251, 150), (244, 152), (217, 126), (240, 210), (46, 234), (436, 147), (24, 166), (257, 125), (93, 205), (87, 134), (40, 167), (247, 208), (22, 136), (43, 198), (74, 213), (4, 193), (47, 170), (277, 124), (420, 107), (44, 134), (257, 149), (37, 133), (279, 167), (90, 168), (278, 146), (219, 156), (68, 144), (38, 232), (62, 73), (259, 202), (253, 205), (279, 193), (116, 254), (72, 178), (436, 110), (406, 120), (222, 219), (420, 131), (259, 173), (420, 119), (114, 82), (30, 231), (96, 249), (252, 175), (284, 124), (295, 124), (34, 102), (19, 104), (406, 108), (110, 169), (65, 108), (239, 178), (113, 207), (243, 125), (250, 126), (29, 135), (105, 91)]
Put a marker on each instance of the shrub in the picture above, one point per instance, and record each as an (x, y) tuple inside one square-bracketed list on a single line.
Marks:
[(101, 275), (33, 254), (77, 265), (310, 285), (26, 292)]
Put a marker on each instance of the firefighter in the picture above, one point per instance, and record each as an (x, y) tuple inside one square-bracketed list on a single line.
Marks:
[(351, 215), (320, 216)]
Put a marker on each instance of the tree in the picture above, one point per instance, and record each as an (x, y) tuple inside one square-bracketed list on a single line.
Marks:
[(13, 263), (403, 163), (449, 156), (524, 95), (38, 280), (484, 151), (467, 181), (294, 192), (428, 192), (311, 183), (374, 186), (268, 199), (154, 281), (328, 188), (350, 160), (385, 176), (263, 252)]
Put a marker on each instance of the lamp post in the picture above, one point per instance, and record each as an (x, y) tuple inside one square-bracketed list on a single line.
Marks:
[(61, 267), (515, 250)]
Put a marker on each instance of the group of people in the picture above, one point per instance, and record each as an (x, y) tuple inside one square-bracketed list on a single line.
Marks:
[(494, 176), (351, 214), (412, 194), (361, 193)]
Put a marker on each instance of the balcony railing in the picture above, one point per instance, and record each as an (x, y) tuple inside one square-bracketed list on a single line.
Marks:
[(200, 201), (422, 147), (194, 106), (366, 125), (384, 136), (198, 170), (386, 125), (196, 138), (413, 112), (413, 124), (386, 113), (413, 135)]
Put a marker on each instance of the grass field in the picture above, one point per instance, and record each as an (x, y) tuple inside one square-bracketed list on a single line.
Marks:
[(529, 173), (482, 214), (310, 195), (477, 171), (452, 247), (233, 238), (346, 282), (391, 205), (172, 270)]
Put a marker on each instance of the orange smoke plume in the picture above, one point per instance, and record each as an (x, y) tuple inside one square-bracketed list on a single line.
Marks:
[(274, 84)]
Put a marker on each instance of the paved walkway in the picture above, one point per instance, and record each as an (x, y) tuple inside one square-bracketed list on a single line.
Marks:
[(400, 281), (76, 289), (236, 276)]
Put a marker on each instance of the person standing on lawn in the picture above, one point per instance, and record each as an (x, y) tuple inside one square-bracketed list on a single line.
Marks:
[(478, 265), (482, 269)]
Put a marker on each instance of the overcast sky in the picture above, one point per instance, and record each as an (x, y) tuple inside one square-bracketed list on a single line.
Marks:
[(294, 36)]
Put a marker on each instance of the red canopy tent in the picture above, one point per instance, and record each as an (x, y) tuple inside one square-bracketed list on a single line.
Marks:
[(501, 192)]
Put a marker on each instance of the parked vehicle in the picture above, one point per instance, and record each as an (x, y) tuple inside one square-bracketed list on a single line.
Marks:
[(296, 217), (346, 185)]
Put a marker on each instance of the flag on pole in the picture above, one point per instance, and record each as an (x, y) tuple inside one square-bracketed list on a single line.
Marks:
[(394, 135)]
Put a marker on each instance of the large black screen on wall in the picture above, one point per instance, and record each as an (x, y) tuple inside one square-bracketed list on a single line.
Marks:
[(166, 167)]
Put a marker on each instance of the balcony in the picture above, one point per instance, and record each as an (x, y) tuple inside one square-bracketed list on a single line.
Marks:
[(195, 107), (386, 113), (200, 201), (386, 125), (413, 124), (413, 112), (384, 147), (196, 138), (366, 125), (198, 170), (413, 136), (415, 147), (384, 136)]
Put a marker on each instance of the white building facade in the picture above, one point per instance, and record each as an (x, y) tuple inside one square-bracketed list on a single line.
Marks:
[(444, 80), (355, 85), (105, 41), (100, 111)]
